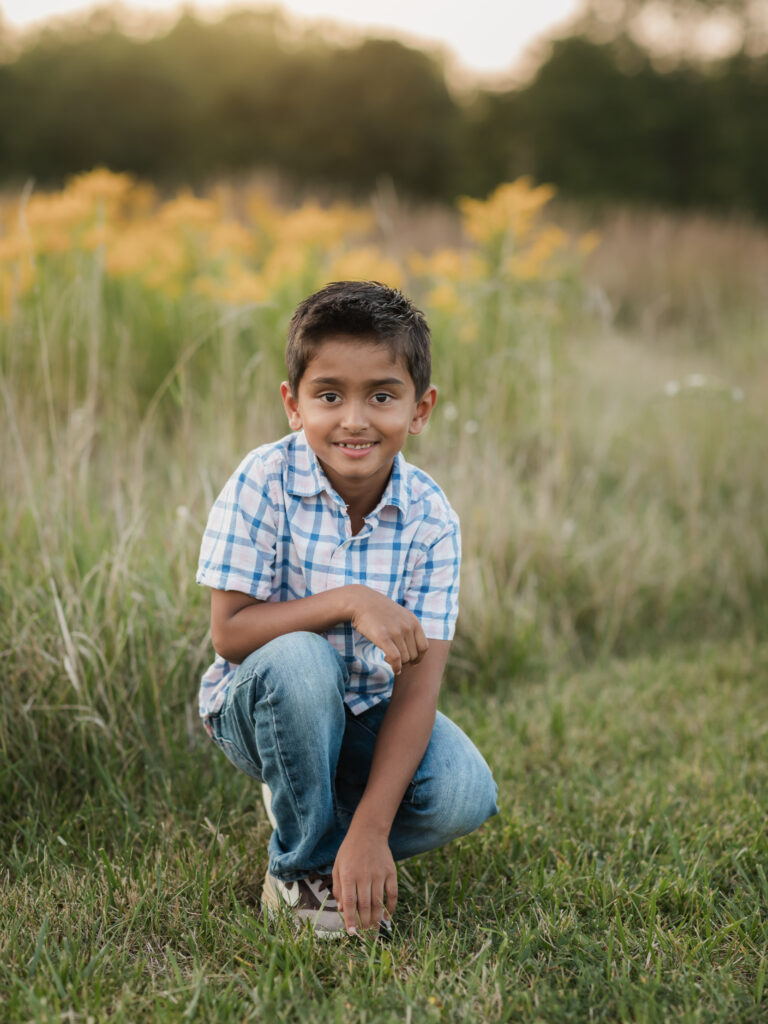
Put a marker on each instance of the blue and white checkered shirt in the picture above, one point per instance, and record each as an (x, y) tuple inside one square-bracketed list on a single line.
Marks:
[(279, 531)]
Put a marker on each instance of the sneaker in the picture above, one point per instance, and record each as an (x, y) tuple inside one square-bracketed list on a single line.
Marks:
[(311, 900), (266, 796)]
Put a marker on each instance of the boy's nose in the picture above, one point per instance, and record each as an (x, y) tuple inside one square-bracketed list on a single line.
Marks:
[(354, 417)]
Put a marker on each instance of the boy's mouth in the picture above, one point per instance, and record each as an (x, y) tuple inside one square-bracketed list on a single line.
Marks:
[(354, 448)]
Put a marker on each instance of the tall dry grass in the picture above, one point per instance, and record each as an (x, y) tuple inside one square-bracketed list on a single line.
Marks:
[(611, 491)]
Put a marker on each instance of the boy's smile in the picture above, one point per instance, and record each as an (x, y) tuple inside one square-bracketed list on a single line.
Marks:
[(357, 405)]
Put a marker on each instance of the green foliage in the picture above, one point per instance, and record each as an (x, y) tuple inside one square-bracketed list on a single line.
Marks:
[(599, 119)]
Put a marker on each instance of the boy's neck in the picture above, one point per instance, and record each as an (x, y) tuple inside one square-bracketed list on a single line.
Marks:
[(361, 499)]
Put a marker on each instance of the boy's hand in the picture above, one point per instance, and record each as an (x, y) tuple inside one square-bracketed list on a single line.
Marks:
[(394, 629), (364, 879)]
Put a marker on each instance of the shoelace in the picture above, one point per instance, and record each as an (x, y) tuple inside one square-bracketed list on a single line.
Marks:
[(326, 881)]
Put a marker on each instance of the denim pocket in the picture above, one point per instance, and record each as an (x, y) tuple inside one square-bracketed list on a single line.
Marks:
[(231, 749), (238, 759)]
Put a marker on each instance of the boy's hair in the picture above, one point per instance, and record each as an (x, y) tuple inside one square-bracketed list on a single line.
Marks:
[(363, 309)]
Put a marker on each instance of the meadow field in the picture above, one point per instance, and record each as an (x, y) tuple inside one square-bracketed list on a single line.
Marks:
[(601, 430)]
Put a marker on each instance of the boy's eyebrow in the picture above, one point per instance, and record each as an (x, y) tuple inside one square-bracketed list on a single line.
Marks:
[(380, 382)]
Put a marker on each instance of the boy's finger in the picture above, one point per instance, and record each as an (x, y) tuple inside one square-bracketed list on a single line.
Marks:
[(390, 894), (364, 905), (405, 654), (349, 907), (336, 887), (408, 643), (392, 655), (377, 903)]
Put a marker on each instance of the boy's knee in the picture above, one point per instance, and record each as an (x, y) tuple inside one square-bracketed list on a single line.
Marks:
[(457, 791), (462, 805), (300, 664)]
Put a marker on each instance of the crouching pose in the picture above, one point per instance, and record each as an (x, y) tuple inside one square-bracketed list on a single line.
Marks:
[(334, 569)]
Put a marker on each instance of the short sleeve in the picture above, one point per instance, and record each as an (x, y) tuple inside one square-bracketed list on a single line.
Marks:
[(239, 543), (432, 593)]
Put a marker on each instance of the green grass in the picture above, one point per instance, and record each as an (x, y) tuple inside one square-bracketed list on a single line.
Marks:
[(612, 492), (625, 878)]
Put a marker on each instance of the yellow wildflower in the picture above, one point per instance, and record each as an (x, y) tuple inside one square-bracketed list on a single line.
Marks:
[(366, 264), (588, 242), (286, 261), (100, 186), (510, 209), (53, 219), (536, 260), (443, 297), (228, 236), (448, 263), (141, 248), (187, 211), (13, 247), (312, 224), (239, 286)]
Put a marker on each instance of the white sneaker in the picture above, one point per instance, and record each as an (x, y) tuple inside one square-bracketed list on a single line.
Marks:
[(266, 796), (311, 901)]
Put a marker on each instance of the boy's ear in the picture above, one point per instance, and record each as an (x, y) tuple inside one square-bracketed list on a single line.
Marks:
[(424, 408), (291, 406)]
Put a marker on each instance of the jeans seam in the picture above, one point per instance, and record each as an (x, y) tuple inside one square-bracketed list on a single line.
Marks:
[(270, 704)]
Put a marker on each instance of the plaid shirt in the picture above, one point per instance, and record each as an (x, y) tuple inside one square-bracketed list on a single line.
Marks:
[(279, 531)]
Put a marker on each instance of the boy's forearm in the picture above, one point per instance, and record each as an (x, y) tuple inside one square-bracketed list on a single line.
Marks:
[(254, 625), (402, 740)]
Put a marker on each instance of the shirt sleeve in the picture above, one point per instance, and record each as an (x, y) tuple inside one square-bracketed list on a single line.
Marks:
[(239, 543), (433, 590)]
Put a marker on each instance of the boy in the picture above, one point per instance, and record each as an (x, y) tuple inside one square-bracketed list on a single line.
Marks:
[(333, 566)]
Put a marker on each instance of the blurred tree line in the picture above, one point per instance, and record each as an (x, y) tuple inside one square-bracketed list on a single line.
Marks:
[(601, 118)]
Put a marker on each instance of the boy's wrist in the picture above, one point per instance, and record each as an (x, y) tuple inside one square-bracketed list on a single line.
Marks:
[(349, 600), (371, 822)]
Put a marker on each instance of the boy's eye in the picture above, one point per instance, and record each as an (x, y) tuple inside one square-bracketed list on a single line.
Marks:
[(381, 397), (329, 397)]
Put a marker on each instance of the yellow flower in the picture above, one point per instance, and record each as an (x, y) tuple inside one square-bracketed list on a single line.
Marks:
[(443, 297), (100, 186), (588, 242), (15, 282), (239, 286), (146, 251), (449, 263), (286, 261), (96, 236), (366, 264), (536, 260), (315, 225), (187, 211), (509, 210), (227, 237), (13, 248)]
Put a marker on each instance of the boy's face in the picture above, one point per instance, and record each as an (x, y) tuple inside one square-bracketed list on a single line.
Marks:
[(357, 405)]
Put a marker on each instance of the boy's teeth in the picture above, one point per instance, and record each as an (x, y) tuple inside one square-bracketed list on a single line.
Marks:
[(369, 445)]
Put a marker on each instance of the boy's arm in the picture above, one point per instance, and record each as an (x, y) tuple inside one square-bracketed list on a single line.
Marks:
[(240, 624), (364, 875)]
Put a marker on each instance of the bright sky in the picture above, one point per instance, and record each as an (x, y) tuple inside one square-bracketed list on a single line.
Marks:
[(487, 36)]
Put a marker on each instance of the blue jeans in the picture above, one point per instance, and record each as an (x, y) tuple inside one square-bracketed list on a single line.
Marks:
[(284, 722)]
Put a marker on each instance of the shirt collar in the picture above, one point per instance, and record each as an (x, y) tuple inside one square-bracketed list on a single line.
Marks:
[(306, 478)]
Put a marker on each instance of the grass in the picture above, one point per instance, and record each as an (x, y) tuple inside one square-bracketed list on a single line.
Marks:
[(624, 879), (610, 477)]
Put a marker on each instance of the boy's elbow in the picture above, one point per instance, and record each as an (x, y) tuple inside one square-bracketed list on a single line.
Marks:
[(224, 643), (229, 633)]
